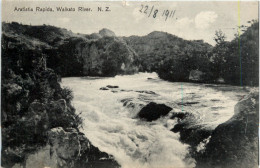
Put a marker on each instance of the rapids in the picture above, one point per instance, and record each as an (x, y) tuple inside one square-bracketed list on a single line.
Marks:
[(110, 122)]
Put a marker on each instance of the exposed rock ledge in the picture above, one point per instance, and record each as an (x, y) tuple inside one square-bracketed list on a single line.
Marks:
[(68, 149), (235, 142)]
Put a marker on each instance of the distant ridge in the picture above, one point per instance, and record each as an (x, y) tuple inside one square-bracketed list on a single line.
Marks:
[(105, 54)]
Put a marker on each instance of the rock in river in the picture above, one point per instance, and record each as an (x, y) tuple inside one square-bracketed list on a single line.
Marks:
[(103, 88), (153, 111), (111, 86)]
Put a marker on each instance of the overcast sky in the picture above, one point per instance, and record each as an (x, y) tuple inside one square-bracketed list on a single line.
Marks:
[(192, 20)]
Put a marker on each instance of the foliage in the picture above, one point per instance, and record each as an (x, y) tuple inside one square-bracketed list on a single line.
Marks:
[(219, 37), (33, 102), (174, 58), (178, 65), (238, 61)]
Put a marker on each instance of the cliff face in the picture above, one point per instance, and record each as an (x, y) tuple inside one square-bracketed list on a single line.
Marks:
[(69, 54), (235, 142), (106, 56)]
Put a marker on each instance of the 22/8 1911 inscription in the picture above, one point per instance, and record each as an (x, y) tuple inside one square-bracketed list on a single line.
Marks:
[(152, 11)]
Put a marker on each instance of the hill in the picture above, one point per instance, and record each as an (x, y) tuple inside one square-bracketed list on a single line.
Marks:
[(158, 49), (70, 54), (105, 54)]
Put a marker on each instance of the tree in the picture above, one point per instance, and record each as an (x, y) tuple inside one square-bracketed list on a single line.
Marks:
[(219, 54), (220, 37), (242, 63)]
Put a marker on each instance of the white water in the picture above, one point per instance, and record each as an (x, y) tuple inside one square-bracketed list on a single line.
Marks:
[(112, 127)]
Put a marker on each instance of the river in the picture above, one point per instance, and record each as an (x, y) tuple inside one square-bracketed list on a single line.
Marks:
[(110, 121)]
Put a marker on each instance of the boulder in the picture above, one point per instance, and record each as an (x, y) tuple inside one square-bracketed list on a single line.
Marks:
[(153, 111), (91, 156), (180, 115), (146, 91), (65, 144), (187, 103), (192, 135), (67, 149), (129, 102), (103, 88), (39, 159), (111, 86), (189, 133), (72, 149), (235, 142)]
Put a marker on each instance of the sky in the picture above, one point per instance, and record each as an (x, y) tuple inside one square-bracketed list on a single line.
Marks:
[(197, 20)]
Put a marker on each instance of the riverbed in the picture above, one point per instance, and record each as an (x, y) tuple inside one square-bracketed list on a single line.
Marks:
[(110, 121)]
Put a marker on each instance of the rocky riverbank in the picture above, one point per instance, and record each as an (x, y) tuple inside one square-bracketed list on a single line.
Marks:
[(40, 127), (235, 142), (232, 144), (65, 149)]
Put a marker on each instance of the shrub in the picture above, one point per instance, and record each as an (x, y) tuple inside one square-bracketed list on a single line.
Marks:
[(33, 102)]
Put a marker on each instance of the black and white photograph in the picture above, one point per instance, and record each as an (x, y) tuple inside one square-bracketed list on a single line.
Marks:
[(129, 84)]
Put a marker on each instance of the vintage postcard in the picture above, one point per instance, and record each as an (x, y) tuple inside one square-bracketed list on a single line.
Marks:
[(148, 84)]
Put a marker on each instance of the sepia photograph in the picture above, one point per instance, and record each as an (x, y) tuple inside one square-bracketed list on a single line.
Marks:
[(129, 84)]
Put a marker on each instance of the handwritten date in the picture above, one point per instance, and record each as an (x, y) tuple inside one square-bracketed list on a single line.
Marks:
[(151, 11)]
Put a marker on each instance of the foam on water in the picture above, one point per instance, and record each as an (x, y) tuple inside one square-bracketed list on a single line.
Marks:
[(112, 127)]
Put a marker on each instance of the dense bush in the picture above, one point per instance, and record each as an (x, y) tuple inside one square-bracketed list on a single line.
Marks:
[(173, 58), (33, 102), (177, 66), (236, 61), (242, 58)]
